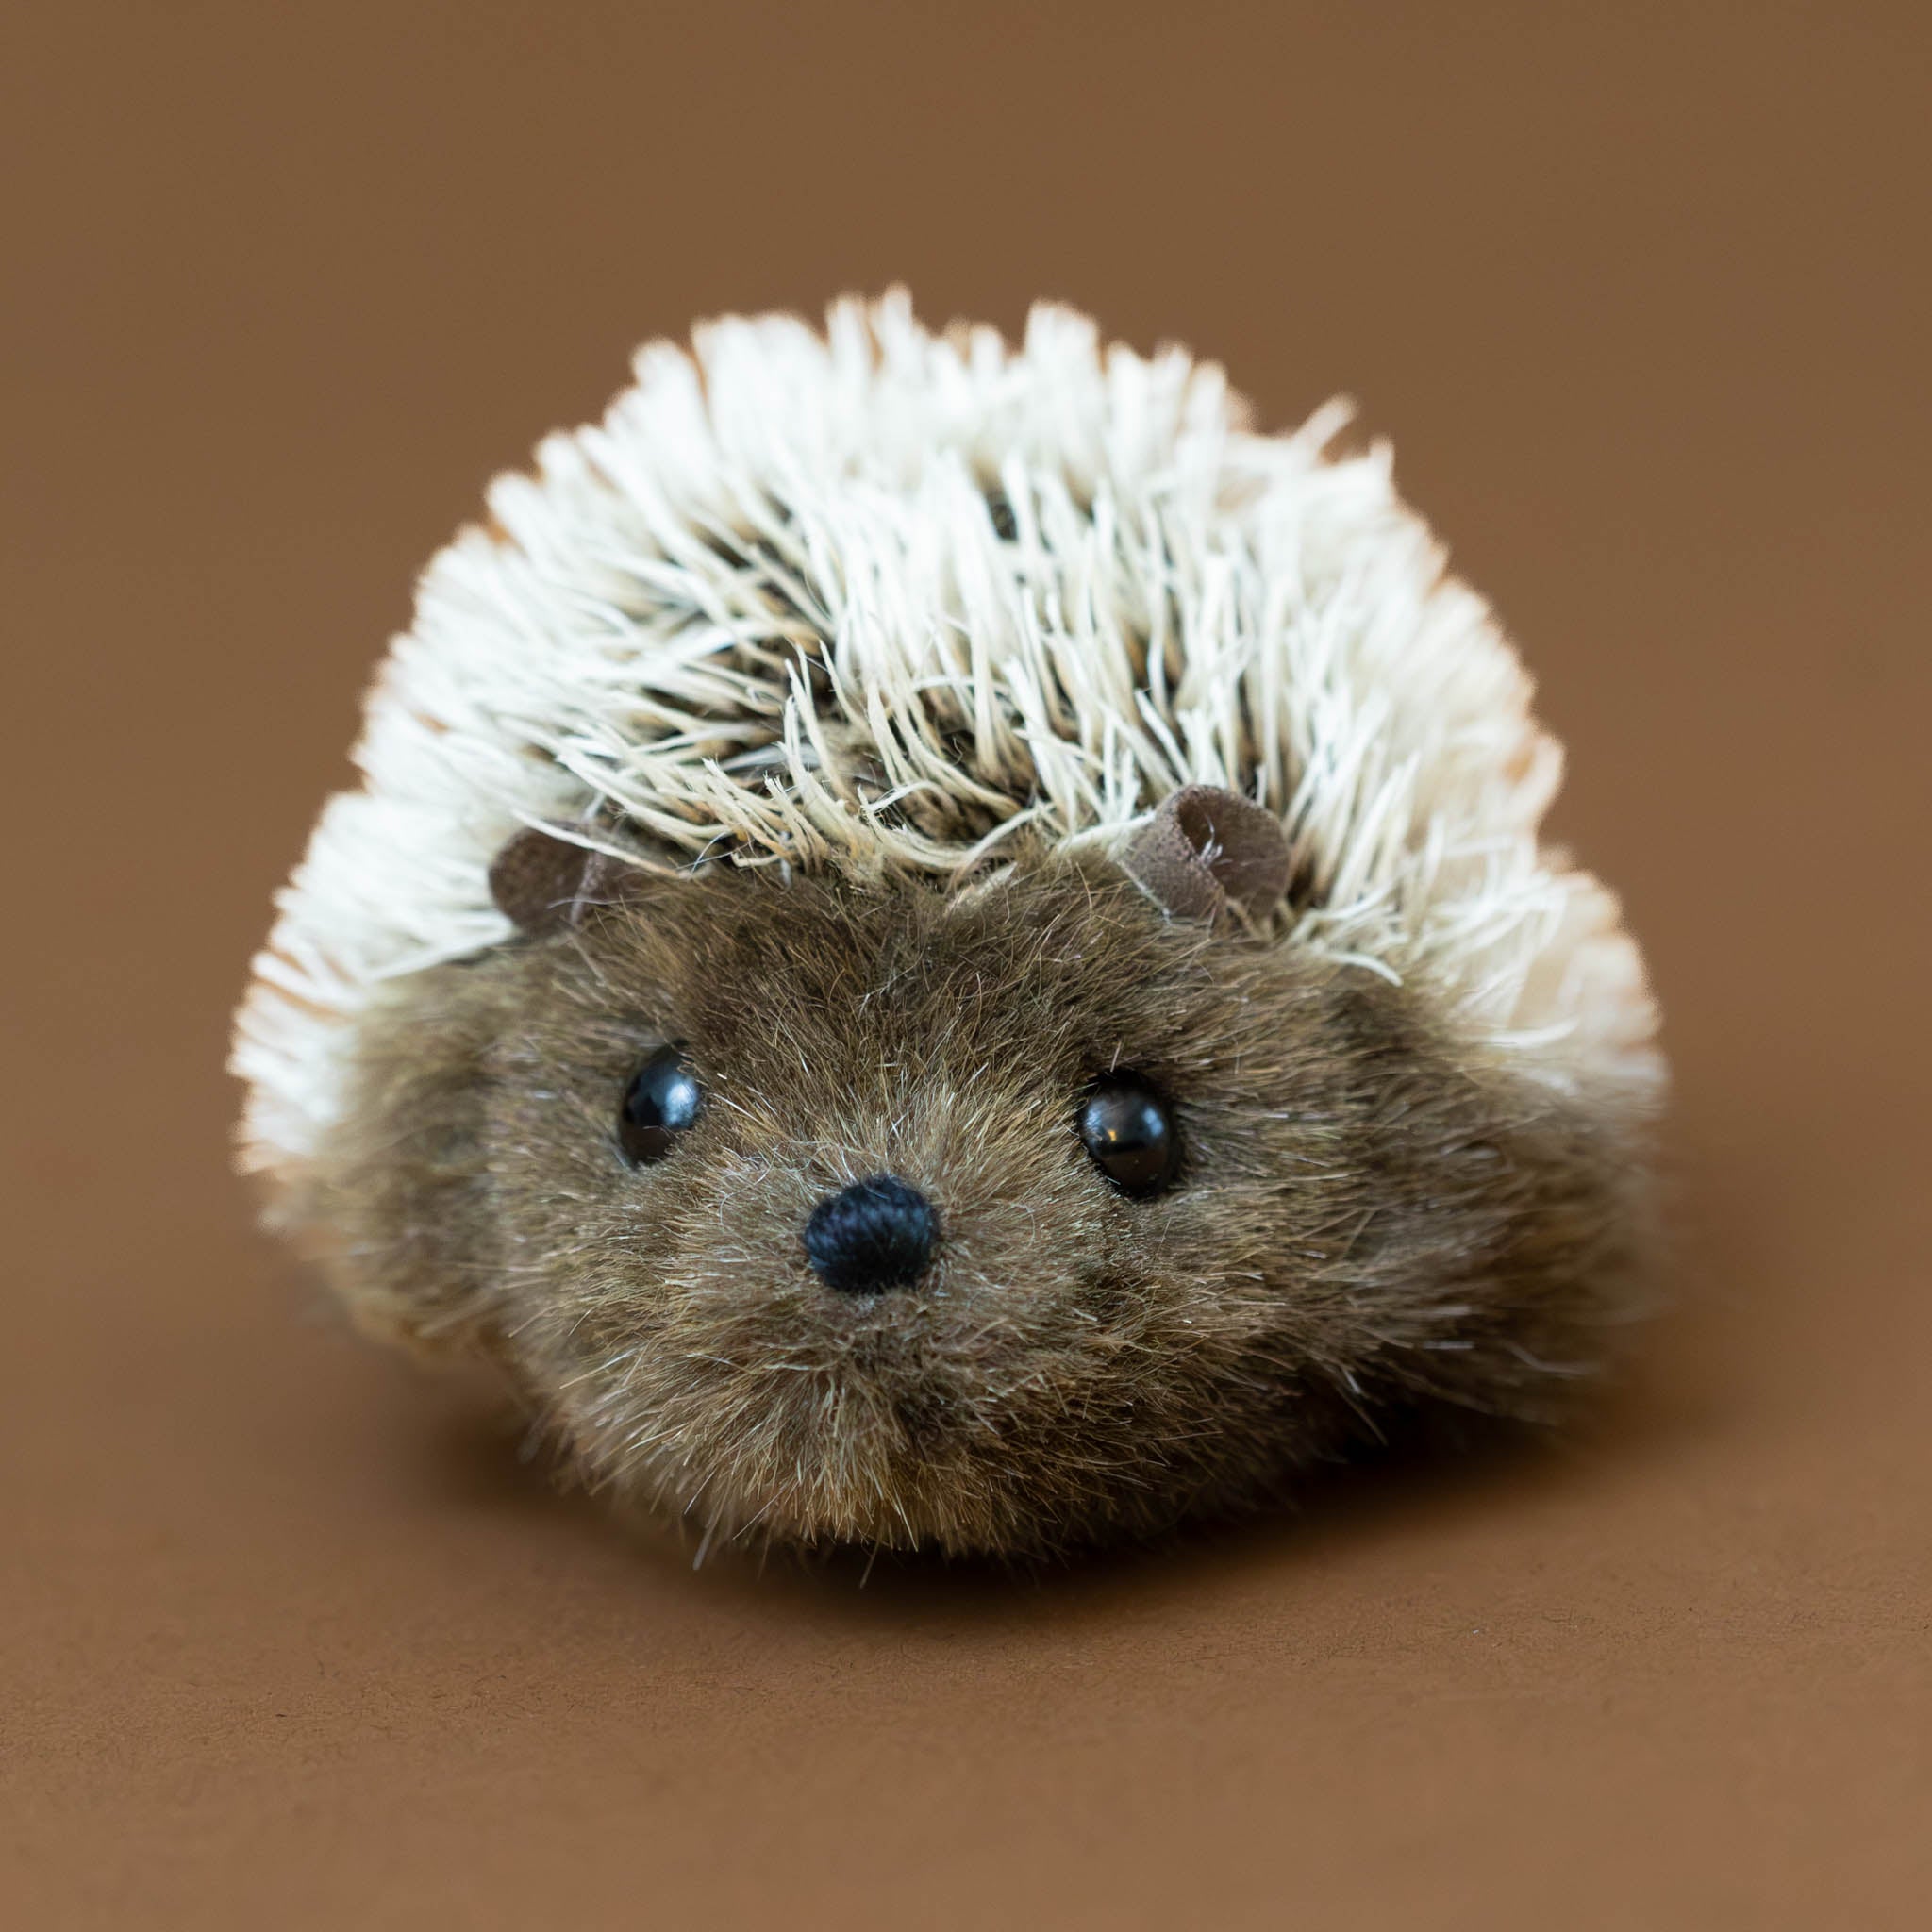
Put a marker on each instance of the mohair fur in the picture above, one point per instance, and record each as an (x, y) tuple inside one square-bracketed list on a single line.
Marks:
[(883, 603), (1367, 1216)]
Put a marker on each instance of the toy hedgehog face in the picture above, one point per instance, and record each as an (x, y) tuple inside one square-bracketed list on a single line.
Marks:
[(997, 1221), (942, 948)]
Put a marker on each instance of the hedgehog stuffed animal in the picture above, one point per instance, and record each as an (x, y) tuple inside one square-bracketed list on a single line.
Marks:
[(943, 946)]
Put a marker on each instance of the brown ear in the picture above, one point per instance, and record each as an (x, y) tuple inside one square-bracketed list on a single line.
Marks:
[(544, 882), (1206, 851)]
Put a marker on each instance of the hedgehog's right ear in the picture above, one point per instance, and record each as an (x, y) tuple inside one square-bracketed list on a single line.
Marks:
[(545, 882), (1206, 851)]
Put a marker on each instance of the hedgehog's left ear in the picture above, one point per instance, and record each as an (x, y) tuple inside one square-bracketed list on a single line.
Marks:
[(1206, 851), (544, 882)]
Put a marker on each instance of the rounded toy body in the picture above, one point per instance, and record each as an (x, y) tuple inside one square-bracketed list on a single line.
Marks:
[(942, 947)]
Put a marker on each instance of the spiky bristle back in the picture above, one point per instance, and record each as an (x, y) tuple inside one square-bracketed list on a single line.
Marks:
[(881, 602)]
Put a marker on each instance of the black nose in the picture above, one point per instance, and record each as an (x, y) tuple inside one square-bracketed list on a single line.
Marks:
[(877, 1233)]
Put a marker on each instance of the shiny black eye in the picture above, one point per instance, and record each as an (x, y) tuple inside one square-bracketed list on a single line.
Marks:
[(1129, 1132), (662, 1101)]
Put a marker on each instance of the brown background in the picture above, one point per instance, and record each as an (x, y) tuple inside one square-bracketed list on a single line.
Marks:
[(291, 1638)]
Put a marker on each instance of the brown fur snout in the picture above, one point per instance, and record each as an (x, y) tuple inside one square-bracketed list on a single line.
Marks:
[(1361, 1216), (893, 1416)]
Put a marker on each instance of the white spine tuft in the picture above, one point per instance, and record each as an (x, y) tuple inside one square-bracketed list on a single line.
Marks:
[(881, 601)]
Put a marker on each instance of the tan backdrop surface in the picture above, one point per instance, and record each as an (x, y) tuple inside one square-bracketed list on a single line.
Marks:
[(290, 1637)]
